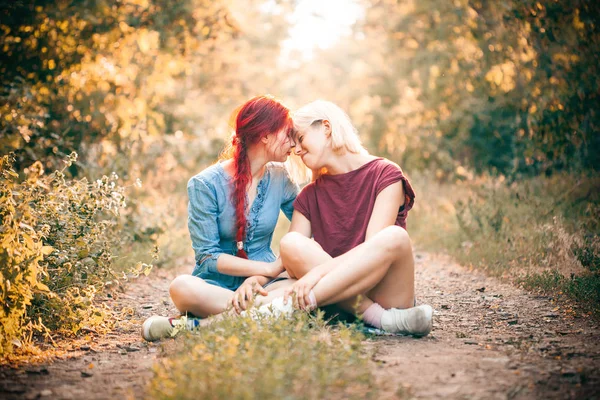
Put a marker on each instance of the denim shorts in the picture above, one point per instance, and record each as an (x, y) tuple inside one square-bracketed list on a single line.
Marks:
[(234, 287), (274, 280), (224, 285)]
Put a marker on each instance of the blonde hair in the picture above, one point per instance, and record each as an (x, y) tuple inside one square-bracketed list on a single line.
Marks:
[(344, 136), (299, 173)]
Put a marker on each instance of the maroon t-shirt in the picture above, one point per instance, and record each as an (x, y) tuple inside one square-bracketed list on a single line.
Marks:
[(339, 207)]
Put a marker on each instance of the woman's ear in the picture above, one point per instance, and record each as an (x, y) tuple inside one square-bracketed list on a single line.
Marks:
[(327, 127), (265, 139)]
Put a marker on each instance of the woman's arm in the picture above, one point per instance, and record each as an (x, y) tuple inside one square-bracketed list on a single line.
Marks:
[(290, 192), (385, 210), (236, 266), (204, 232), (300, 224)]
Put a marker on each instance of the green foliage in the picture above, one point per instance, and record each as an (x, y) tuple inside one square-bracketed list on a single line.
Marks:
[(239, 358), (541, 231), (80, 72), (58, 237), (509, 87), (20, 255), (584, 289)]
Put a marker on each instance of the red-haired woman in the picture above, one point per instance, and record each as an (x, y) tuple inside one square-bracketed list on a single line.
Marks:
[(232, 245)]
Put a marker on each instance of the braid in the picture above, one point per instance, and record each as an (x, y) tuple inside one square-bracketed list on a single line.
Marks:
[(240, 184), (258, 117)]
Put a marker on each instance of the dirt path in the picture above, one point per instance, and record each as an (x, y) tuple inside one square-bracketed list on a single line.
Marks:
[(490, 340)]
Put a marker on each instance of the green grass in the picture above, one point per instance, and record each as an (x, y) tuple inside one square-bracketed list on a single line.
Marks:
[(583, 289), (240, 358), (543, 233)]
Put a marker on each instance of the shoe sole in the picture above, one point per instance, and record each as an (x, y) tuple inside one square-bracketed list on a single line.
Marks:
[(429, 315)]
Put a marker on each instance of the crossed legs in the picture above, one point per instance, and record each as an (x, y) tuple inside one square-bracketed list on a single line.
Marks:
[(379, 270), (377, 273), (193, 295)]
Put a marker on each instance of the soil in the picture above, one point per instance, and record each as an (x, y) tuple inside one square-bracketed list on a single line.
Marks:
[(490, 340)]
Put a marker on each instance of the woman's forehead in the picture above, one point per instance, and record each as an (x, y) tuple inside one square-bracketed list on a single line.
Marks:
[(297, 132)]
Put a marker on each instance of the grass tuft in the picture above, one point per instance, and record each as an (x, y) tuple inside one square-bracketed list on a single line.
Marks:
[(239, 358), (541, 232)]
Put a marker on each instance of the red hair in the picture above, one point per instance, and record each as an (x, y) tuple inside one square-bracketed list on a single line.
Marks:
[(258, 117)]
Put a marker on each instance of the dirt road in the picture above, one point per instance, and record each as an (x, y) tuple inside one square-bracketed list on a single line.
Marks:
[(490, 340)]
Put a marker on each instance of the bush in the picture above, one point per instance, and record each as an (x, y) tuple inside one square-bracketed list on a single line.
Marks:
[(542, 232), (239, 358), (58, 237), (20, 256), (584, 289)]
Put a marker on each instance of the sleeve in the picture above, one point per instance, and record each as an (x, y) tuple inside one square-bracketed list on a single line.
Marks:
[(392, 173), (290, 191), (202, 224), (301, 203)]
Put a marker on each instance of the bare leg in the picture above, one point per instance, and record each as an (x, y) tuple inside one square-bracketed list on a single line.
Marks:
[(194, 295), (382, 269), (301, 254), (191, 294)]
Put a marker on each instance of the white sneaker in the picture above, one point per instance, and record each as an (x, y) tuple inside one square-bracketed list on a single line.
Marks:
[(157, 327), (416, 321), (274, 309)]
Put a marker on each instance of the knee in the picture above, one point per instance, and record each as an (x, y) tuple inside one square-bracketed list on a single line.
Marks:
[(396, 239), (179, 287), (290, 244)]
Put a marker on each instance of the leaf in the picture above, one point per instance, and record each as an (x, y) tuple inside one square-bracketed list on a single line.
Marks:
[(28, 241), (47, 250)]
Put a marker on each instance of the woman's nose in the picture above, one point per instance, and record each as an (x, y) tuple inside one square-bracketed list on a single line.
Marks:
[(298, 148)]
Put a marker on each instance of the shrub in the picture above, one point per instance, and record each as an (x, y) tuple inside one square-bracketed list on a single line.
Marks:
[(58, 238), (542, 232), (20, 256), (239, 358)]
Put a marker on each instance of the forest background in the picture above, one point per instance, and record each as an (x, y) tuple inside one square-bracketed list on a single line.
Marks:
[(490, 107)]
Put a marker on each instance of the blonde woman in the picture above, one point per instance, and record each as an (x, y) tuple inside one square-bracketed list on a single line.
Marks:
[(355, 210)]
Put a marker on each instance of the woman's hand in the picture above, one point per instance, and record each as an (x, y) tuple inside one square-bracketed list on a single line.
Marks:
[(242, 296), (273, 269), (302, 289)]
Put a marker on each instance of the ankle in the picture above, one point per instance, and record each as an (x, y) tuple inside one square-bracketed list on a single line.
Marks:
[(312, 300), (373, 315), (189, 322)]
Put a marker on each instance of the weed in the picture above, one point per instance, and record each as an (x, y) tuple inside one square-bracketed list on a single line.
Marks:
[(240, 358), (57, 237), (542, 232)]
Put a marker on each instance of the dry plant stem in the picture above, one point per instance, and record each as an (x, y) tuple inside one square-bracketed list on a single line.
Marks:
[(379, 270)]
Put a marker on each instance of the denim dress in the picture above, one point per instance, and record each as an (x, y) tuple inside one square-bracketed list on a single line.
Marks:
[(211, 219)]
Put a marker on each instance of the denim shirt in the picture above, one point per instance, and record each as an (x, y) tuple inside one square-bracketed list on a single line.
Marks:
[(211, 218)]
